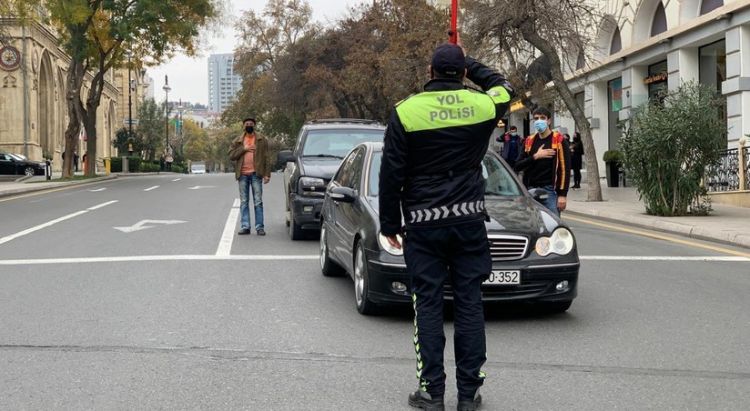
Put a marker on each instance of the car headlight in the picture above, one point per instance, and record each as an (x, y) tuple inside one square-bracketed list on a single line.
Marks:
[(561, 242), (312, 186), (385, 245)]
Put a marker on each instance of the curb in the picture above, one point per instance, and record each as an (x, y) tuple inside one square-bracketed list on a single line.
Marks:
[(692, 231), (26, 190)]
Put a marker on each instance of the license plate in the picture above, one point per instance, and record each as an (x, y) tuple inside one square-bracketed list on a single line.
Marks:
[(504, 278)]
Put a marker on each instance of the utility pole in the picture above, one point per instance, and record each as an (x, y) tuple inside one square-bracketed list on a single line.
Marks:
[(166, 89)]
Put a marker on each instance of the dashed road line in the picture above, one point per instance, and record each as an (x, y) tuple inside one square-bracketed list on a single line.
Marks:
[(28, 231), (227, 237), (151, 188), (176, 180)]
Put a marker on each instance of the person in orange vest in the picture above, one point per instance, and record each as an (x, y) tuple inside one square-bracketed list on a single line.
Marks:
[(545, 162)]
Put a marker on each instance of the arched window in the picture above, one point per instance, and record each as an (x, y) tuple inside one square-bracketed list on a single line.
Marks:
[(710, 5), (616, 44), (659, 24), (581, 61)]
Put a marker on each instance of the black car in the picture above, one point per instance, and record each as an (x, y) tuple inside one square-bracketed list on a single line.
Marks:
[(321, 146), (535, 258), (13, 164)]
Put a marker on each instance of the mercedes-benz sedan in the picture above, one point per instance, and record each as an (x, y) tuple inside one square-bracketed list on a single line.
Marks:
[(534, 254)]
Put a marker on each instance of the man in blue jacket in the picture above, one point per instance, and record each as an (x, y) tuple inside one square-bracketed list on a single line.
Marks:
[(431, 175)]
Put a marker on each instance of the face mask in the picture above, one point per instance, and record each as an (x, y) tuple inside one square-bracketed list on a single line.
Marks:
[(540, 125), (514, 134), (249, 129)]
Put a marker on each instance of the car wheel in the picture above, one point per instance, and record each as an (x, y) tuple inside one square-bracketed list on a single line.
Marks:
[(556, 307), (362, 283), (28, 172), (295, 230), (327, 266)]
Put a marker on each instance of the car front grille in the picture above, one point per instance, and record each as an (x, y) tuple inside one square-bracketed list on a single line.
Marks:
[(507, 247)]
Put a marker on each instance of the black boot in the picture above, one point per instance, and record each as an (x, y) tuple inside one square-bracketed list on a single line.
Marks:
[(470, 405), (422, 400)]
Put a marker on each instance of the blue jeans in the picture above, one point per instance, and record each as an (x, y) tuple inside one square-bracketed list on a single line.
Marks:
[(255, 182), (551, 202)]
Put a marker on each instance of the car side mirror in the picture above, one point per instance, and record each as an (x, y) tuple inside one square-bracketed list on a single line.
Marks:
[(539, 194), (343, 194), (285, 156)]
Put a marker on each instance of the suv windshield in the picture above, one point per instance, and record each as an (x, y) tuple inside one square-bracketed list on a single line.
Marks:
[(337, 143), (499, 180)]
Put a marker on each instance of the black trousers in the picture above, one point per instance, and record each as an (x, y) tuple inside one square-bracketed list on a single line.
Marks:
[(577, 177), (433, 255)]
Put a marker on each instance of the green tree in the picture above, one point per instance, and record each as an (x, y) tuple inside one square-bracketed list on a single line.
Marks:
[(669, 147), (97, 33), (151, 128), (197, 144)]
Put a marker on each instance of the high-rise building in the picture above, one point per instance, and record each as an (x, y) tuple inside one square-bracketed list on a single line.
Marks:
[(223, 82)]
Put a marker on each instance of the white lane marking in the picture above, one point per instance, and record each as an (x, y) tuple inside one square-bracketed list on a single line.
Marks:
[(98, 190), (176, 180), (200, 187), (152, 258), (227, 237), (151, 188), (144, 225), (96, 207), (28, 231), (664, 258)]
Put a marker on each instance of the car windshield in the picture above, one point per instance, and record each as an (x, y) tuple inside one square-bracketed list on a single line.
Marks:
[(16, 157), (499, 180), (500, 183), (337, 143)]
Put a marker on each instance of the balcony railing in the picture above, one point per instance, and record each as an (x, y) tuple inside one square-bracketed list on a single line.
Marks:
[(725, 175)]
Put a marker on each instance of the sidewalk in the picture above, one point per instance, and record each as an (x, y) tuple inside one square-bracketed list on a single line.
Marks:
[(726, 224), (39, 183)]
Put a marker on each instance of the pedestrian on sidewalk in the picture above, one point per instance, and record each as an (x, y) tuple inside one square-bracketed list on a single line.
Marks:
[(432, 159), (252, 169), (545, 162), (75, 159), (511, 146), (169, 159), (576, 162)]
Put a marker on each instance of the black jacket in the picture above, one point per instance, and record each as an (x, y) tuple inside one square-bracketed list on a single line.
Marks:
[(434, 147)]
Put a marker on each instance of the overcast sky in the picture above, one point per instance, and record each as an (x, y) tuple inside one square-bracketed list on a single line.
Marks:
[(188, 77)]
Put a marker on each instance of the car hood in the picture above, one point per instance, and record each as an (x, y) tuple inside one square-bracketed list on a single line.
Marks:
[(323, 168), (518, 215)]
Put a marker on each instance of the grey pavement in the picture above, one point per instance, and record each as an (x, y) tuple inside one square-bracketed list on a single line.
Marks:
[(649, 330), (726, 224)]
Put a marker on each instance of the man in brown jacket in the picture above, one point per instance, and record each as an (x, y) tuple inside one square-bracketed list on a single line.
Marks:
[(252, 168)]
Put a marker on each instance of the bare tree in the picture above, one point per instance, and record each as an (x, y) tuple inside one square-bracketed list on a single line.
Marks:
[(555, 33)]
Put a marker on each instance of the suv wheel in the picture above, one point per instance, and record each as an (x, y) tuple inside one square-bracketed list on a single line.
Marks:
[(28, 172), (327, 265), (295, 230)]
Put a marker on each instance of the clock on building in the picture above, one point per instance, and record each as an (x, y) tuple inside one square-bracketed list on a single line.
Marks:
[(10, 58)]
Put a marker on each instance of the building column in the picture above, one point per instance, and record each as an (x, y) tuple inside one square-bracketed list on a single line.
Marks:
[(683, 65), (596, 112), (737, 86)]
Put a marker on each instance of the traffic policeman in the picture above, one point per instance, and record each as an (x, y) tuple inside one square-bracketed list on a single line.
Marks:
[(431, 178)]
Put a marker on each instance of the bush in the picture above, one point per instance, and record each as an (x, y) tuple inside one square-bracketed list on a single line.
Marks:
[(116, 165), (614, 156), (669, 147), (134, 164), (178, 169), (150, 167)]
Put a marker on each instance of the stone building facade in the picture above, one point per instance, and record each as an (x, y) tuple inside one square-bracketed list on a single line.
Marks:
[(33, 111)]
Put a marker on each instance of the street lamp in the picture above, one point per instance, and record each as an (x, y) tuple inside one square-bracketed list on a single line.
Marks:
[(130, 104), (166, 89)]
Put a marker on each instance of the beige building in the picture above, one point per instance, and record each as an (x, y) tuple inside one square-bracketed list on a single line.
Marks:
[(133, 93), (33, 112)]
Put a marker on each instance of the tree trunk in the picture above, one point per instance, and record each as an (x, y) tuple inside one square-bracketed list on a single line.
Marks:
[(89, 120), (582, 123), (75, 107)]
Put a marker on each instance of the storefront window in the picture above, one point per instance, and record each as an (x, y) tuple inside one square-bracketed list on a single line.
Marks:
[(614, 99), (713, 69), (657, 82)]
